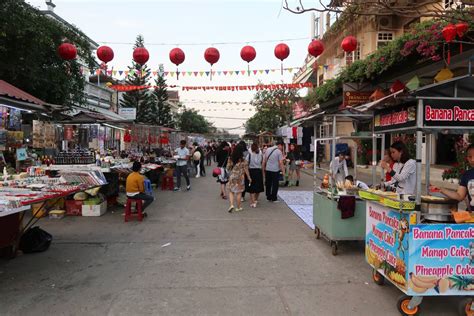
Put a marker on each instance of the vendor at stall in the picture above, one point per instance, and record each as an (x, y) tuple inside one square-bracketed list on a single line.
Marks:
[(466, 185), (135, 185), (358, 184), (338, 168), (403, 172)]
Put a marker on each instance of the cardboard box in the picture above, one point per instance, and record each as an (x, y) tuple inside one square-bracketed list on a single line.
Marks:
[(94, 210)]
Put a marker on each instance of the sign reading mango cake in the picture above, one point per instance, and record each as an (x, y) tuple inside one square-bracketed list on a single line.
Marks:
[(441, 260)]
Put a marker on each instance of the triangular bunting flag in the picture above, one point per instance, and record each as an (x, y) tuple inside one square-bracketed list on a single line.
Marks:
[(97, 72), (126, 72), (201, 73), (114, 72), (166, 73), (236, 72), (219, 73), (171, 73), (154, 73), (225, 72), (213, 73), (290, 70), (190, 73), (183, 73), (120, 72), (273, 70), (231, 72), (242, 72), (255, 72), (143, 73), (267, 71), (207, 73), (195, 74)]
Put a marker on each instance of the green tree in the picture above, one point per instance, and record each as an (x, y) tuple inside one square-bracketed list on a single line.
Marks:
[(28, 53), (192, 122), (274, 108), (142, 100), (164, 116)]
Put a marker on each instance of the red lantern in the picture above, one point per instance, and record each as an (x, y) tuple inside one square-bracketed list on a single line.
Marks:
[(105, 54), (67, 51), (177, 57), (449, 33), (349, 44), (141, 55), (461, 29), (397, 86), (282, 51), (316, 48), (211, 55), (248, 54)]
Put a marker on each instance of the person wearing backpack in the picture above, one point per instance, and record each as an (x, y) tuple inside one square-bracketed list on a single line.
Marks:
[(273, 165)]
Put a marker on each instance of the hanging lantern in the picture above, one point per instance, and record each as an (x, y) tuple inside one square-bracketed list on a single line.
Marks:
[(397, 86), (211, 55), (282, 51), (449, 34), (315, 48), (349, 44), (177, 57), (67, 51), (105, 54), (141, 55), (461, 29), (248, 54)]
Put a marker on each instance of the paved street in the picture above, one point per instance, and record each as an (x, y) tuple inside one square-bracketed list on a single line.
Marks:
[(262, 261)]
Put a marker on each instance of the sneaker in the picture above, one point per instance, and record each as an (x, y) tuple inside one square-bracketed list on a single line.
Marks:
[(231, 208), (239, 209), (188, 188), (176, 189), (198, 176), (242, 199), (276, 201)]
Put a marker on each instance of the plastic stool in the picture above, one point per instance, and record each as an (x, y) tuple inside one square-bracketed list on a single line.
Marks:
[(167, 183), (128, 209), (148, 188)]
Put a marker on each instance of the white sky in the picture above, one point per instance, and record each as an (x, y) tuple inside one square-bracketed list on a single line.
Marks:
[(203, 22)]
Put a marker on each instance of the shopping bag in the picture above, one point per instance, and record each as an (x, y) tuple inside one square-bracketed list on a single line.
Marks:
[(35, 240)]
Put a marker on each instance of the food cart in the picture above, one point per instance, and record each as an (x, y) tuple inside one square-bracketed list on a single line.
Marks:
[(413, 242), (326, 215)]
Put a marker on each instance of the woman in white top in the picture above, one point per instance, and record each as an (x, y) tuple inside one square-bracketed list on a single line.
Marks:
[(403, 172), (338, 168), (254, 159)]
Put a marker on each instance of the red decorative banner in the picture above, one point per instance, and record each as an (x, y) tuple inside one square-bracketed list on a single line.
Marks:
[(125, 88)]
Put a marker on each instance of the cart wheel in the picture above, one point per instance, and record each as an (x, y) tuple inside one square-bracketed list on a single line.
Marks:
[(334, 248), (466, 307), (378, 277), (317, 231), (402, 306)]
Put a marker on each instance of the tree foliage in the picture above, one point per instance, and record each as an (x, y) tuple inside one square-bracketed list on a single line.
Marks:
[(274, 108), (164, 117), (142, 100), (192, 122), (28, 53)]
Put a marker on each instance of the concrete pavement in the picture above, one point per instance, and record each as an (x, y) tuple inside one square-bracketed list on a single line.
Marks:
[(262, 261)]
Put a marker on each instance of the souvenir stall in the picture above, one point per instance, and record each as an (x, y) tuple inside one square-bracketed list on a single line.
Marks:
[(338, 212), (18, 193), (423, 244)]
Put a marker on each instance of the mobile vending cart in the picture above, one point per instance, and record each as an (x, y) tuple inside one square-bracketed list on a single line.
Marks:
[(326, 215), (404, 245)]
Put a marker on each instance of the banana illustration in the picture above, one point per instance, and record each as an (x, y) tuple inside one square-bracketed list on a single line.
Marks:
[(416, 288), (430, 279), (420, 283)]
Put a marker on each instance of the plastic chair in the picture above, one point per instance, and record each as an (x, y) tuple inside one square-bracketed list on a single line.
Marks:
[(148, 188), (167, 183), (128, 209)]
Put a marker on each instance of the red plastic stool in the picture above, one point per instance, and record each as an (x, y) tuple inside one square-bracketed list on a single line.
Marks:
[(167, 183), (138, 206)]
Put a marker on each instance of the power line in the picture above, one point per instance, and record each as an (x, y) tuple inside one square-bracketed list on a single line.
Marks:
[(211, 44), (227, 118)]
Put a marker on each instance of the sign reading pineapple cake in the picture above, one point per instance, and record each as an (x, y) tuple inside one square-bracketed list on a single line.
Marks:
[(386, 242), (441, 260)]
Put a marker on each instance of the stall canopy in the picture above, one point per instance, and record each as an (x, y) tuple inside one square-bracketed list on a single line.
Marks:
[(11, 96), (80, 115), (459, 88)]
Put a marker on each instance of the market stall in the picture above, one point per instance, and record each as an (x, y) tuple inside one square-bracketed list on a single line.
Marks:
[(338, 213), (19, 192), (421, 243)]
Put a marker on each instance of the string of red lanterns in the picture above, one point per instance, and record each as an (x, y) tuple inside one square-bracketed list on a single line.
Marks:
[(68, 51)]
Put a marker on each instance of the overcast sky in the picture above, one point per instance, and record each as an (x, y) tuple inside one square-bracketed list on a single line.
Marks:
[(202, 23)]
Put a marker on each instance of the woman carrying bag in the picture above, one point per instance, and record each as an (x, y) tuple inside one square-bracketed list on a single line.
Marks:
[(255, 159)]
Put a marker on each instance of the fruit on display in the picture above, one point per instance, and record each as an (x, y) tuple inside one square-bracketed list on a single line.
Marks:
[(397, 278)]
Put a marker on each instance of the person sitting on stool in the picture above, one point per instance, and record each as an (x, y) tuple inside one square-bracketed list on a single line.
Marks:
[(135, 186)]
